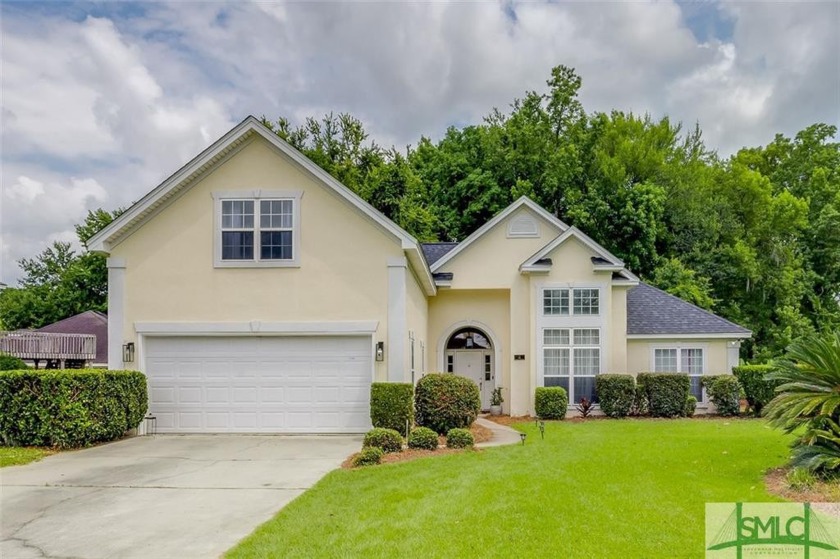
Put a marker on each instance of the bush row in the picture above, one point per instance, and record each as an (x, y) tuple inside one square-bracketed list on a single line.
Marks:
[(69, 408), (758, 390)]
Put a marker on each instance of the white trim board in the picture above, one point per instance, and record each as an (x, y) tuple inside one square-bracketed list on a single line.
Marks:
[(582, 237), (719, 336), (478, 233), (350, 328)]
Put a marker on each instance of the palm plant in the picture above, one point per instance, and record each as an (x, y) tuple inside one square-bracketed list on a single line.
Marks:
[(808, 398)]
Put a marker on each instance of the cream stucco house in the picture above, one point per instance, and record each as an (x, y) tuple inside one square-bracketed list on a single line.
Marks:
[(260, 295)]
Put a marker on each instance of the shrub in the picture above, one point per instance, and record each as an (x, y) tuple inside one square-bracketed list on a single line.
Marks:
[(391, 405), (369, 456), (550, 402), (11, 363), (758, 389), (496, 399), (639, 400), (690, 406), (444, 401), (723, 391), (459, 438), (386, 439), (69, 408), (584, 406), (808, 401), (423, 437), (665, 394), (615, 394)]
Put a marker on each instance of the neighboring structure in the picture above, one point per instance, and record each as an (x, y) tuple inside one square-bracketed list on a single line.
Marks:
[(92, 323), (263, 296)]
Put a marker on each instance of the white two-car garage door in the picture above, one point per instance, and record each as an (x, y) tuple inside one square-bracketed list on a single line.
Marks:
[(252, 384)]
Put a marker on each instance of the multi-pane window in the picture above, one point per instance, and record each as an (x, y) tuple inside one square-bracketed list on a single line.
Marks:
[(270, 238), (585, 302), (682, 360), (572, 359)]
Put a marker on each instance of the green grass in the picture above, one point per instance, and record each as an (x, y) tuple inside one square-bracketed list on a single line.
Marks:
[(631, 488), (19, 455)]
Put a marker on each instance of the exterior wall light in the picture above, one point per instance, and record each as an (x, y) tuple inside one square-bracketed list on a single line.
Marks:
[(380, 351), (128, 352)]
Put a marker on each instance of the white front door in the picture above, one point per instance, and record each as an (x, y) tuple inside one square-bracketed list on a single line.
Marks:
[(252, 384), (474, 366)]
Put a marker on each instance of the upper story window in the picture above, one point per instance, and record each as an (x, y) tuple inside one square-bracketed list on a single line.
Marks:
[(585, 302), (258, 229)]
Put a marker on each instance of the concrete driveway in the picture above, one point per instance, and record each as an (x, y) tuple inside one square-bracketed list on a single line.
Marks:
[(164, 496)]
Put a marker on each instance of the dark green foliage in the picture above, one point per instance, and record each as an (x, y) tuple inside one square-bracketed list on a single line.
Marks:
[(758, 390), (640, 406), (550, 402), (808, 401), (11, 363), (665, 394), (690, 406), (392, 405), (369, 456), (444, 401), (615, 394), (459, 438), (69, 408), (724, 392), (386, 439), (423, 437)]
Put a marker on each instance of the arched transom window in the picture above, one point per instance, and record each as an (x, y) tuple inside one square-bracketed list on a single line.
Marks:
[(468, 338)]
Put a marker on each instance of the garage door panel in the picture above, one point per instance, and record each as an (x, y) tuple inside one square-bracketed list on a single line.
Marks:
[(260, 384)]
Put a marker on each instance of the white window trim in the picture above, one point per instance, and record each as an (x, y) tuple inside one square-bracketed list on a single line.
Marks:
[(679, 346), (570, 347), (256, 195), (570, 301)]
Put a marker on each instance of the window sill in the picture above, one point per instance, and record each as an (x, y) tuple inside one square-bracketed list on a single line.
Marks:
[(261, 264)]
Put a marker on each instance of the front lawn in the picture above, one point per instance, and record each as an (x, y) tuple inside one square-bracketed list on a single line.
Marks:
[(19, 455), (600, 488)]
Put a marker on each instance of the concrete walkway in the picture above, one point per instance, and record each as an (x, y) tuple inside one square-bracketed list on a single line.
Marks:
[(502, 435), (161, 497)]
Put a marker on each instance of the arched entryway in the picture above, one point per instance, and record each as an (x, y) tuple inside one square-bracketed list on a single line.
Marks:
[(469, 352)]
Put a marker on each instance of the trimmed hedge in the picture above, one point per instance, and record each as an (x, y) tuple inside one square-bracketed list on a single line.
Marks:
[(423, 437), (369, 456), (386, 439), (665, 394), (69, 408), (615, 394), (723, 391), (758, 390), (391, 405), (459, 438), (690, 406), (444, 401), (11, 363), (550, 402)]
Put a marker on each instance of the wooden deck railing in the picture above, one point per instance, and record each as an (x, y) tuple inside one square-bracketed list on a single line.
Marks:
[(41, 345)]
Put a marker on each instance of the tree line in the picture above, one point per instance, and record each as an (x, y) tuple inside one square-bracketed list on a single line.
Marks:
[(754, 237)]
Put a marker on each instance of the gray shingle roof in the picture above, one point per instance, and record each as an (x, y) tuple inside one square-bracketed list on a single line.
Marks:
[(653, 311), (435, 251), (88, 322)]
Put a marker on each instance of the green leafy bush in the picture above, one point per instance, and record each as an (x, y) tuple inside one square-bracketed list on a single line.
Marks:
[(391, 405), (369, 456), (459, 438), (444, 401), (69, 408), (665, 394), (724, 392), (615, 394), (758, 389), (639, 400), (423, 437), (690, 406), (550, 402), (386, 439), (11, 363)]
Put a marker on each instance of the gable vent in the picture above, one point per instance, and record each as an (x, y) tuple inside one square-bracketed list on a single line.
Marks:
[(523, 225)]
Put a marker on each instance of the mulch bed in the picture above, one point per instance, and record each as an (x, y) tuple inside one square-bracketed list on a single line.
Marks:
[(820, 492), (479, 433)]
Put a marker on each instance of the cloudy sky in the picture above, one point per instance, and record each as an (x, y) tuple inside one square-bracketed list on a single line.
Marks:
[(101, 101)]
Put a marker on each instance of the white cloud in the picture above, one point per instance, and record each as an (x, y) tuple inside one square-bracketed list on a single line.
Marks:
[(123, 100)]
